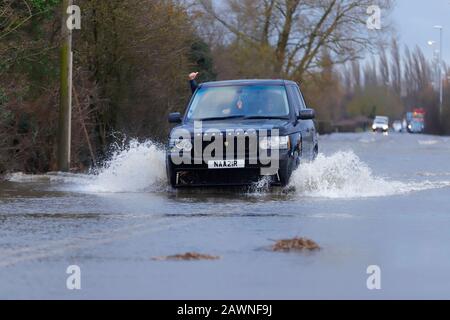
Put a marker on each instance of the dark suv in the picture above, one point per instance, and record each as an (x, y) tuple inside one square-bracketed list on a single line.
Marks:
[(237, 132)]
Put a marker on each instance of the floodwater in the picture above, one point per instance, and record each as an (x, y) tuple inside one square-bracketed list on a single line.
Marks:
[(367, 200)]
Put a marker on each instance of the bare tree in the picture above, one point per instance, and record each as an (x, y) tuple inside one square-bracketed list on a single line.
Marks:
[(409, 80), (396, 67), (384, 66), (356, 72), (297, 30), (370, 73), (417, 71), (346, 77), (422, 69), (13, 15)]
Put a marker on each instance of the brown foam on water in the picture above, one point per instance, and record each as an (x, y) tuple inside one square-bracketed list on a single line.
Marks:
[(295, 244), (190, 256)]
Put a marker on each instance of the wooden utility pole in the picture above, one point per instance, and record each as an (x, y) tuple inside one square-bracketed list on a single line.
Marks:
[(65, 108)]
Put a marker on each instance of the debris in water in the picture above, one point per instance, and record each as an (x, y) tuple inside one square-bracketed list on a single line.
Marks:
[(190, 256), (296, 244)]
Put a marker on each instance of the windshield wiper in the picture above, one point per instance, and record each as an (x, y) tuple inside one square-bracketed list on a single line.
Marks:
[(266, 117), (220, 118)]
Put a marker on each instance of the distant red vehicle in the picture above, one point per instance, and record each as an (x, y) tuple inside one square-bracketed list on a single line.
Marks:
[(416, 120), (419, 113)]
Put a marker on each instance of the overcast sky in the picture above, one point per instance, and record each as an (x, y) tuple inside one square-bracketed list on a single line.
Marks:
[(414, 21)]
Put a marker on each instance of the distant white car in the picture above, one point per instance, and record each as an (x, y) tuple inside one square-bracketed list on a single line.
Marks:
[(380, 124)]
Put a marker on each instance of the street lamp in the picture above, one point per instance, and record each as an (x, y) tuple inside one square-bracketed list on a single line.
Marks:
[(441, 83), (435, 62)]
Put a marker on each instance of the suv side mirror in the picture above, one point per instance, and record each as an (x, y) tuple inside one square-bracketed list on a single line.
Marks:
[(307, 114), (175, 118)]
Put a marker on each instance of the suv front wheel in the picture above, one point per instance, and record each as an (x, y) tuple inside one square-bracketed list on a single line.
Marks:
[(285, 171)]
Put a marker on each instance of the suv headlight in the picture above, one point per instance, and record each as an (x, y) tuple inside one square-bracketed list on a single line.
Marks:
[(177, 145), (280, 143)]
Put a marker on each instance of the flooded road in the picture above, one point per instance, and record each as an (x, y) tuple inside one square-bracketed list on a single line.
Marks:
[(367, 200)]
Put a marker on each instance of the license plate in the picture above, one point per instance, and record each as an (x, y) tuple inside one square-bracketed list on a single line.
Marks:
[(226, 164)]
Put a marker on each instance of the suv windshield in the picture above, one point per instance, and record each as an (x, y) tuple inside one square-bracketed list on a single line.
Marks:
[(215, 103)]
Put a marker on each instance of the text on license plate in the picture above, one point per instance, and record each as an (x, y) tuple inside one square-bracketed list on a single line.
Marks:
[(226, 164)]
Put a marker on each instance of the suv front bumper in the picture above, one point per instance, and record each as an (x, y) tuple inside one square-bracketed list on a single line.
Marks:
[(199, 175)]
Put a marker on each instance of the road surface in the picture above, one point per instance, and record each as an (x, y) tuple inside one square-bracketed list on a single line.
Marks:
[(367, 200)]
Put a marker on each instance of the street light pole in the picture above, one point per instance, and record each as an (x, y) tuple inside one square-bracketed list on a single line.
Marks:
[(65, 109)]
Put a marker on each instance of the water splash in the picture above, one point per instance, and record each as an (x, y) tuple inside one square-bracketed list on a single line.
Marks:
[(140, 167), (137, 167), (344, 175), (262, 186), (134, 167)]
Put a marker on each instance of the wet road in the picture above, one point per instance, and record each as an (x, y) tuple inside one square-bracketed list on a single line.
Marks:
[(367, 200)]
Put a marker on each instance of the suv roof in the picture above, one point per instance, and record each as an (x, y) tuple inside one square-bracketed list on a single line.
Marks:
[(247, 82)]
